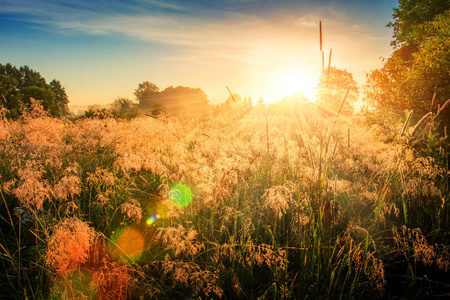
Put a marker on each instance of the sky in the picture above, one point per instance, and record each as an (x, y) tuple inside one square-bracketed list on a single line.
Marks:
[(102, 49)]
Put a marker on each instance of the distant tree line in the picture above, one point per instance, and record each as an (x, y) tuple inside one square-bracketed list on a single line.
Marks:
[(172, 100), (18, 85), (121, 108)]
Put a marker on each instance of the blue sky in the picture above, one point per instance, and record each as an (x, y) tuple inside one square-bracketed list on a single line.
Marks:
[(101, 50)]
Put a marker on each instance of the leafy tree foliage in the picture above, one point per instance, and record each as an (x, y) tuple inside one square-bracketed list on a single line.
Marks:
[(145, 90), (178, 99), (158, 110), (331, 90), (405, 83), (124, 108), (410, 15), (18, 85), (61, 98)]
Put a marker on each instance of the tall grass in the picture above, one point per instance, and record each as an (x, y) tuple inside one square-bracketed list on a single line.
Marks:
[(280, 208)]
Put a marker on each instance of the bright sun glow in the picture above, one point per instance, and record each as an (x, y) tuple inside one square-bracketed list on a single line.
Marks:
[(287, 82)]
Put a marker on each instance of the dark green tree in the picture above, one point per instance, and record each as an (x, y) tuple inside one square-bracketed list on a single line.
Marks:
[(9, 89), (18, 85), (30, 77), (61, 98), (408, 18), (46, 97)]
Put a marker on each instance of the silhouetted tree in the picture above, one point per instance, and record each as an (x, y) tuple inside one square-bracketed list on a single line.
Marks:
[(61, 98), (18, 85), (158, 110), (178, 99), (145, 90), (124, 108)]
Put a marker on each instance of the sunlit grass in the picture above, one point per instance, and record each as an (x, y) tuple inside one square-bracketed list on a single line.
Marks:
[(281, 201)]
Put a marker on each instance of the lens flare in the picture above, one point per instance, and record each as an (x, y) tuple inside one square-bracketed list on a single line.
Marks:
[(152, 219), (181, 195), (127, 245), (77, 285)]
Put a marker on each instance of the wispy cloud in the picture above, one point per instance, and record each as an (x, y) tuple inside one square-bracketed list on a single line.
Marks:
[(201, 32), (248, 38)]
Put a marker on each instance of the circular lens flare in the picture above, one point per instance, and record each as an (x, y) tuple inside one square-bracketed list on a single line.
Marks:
[(152, 219), (180, 195), (127, 245), (77, 284)]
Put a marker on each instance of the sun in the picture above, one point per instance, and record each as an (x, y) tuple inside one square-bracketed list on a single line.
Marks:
[(290, 81)]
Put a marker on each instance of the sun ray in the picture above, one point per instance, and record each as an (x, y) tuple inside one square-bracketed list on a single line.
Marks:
[(289, 81)]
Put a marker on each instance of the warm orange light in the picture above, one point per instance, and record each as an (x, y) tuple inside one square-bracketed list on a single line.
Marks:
[(127, 245), (289, 81)]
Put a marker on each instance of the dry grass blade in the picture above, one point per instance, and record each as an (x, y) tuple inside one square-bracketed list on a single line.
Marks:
[(341, 106), (323, 61), (152, 116), (442, 107), (335, 146), (406, 122), (432, 101), (343, 101), (329, 65), (420, 123), (311, 157), (306, 121), (232, 97), (3, 96), (348, 137)]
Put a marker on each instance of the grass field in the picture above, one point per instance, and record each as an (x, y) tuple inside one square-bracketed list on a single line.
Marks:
[(271, 202)]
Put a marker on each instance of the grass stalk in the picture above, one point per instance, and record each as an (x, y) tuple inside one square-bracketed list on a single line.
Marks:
[(335, 146), (341, 106), (232, 97), (320, 30), (447, 103), (421, 122), (432, 102), (407, 122), (329, 66), (348, 137)]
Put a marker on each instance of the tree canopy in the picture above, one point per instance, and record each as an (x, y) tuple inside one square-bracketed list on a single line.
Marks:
[(124, 108), (332, 87), (178, 99), (410, 15), (18, 85), (418, 68)]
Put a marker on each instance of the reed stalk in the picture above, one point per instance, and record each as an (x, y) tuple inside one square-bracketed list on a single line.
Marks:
[(329, 66), (406, 122), (421, 122), (341, 106), (232, 97), (447, 103), (432, 101)]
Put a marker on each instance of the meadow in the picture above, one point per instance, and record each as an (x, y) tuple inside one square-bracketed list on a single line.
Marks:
[(269, 202)]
